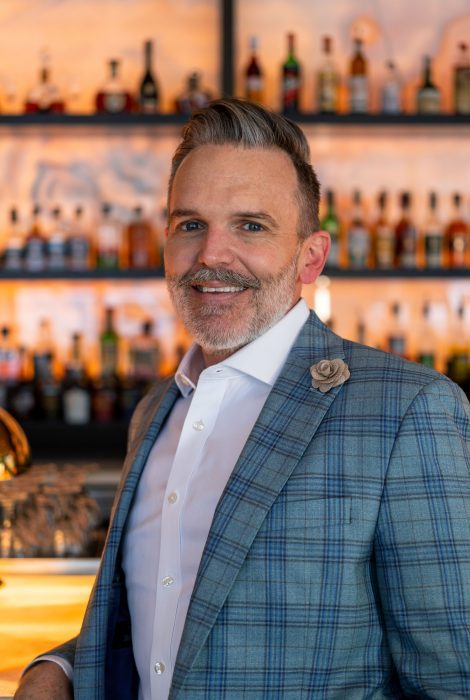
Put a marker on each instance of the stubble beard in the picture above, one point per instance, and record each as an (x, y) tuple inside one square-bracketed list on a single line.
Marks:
[(272, 297)]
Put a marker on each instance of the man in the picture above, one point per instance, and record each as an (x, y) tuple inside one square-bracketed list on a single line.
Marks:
[(293, 516)]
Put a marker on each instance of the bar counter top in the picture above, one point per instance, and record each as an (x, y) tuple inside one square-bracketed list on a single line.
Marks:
[(42, 602)]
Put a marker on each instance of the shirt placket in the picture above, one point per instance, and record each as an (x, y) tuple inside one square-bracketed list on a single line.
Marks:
[(197, 428)]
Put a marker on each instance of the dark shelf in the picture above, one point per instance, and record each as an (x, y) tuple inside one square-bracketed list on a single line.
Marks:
[(383, 119), (412, 273), (147, 274), (127, 120), (51, 440)]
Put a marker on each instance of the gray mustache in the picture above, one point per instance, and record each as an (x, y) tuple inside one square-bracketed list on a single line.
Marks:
[(218, 274)]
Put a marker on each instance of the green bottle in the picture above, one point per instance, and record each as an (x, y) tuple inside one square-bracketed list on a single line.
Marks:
[(330, 223), (290, 79), (109, 341)]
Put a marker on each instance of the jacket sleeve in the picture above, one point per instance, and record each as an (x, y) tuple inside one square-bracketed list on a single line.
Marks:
[(422, 545)]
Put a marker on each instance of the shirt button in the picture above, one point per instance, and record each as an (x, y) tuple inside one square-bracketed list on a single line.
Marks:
[(168, 581), (198, 425), (159, 668), (172, 497)]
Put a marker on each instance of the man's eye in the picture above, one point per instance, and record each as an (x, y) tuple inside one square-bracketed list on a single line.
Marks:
[(251, 226), (190, 226)]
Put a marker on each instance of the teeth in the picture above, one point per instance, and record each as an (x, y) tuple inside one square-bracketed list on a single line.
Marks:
[(218, 290)]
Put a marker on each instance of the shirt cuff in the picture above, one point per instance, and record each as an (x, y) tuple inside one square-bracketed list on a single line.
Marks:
[(65, 665)]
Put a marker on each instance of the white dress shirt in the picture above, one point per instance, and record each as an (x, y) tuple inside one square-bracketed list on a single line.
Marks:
[(182, 482)]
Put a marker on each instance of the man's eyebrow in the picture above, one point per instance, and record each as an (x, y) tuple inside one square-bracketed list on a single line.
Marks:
[(178, 213), (262, 215)]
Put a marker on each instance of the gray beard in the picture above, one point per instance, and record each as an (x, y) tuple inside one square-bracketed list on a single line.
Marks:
[(273, 296)]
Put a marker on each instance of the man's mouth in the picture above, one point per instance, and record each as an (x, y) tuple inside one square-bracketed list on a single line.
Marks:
[(218, 290)]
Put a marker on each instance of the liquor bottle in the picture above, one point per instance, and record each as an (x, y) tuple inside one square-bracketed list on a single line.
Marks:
[(253, 78), (194, 96), (35, 245), (428, 96), (21, 396), (427, 341), (56, 251), (149, 93), (328, 80), (13, 255), (405, 235), (45, 97), (391, 91), (462, 81), (109, 345), (433, 236), (330, 223), (10, 363), (291, 77), (358, 236), (79, 250), (396, 340), (145, 355), (113, 98), (384, 238), (140, 249), (76, 396), (458, 361), (46, 386), (108, 239), (457, 236), (358, 81)]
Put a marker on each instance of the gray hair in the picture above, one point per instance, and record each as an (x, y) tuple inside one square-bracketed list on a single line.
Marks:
[(236, 121)]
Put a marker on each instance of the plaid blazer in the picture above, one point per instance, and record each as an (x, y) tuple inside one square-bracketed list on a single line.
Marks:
[(338, 562)]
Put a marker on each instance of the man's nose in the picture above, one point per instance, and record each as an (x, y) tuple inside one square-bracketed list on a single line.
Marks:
[(216, 248)]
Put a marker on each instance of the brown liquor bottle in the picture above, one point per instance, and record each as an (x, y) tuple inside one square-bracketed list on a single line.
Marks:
[(406, 235), (358, 80), (140, 247), (456, 236), (254, 80), (113, 98)]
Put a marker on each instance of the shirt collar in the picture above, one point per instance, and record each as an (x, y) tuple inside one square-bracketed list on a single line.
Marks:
[(261, 359)]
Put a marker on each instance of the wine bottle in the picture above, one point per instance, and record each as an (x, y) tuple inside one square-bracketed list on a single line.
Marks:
[(109, 344), (428, 96), (457, 236), (358, 80), (384, 238), (149, 93), (433, 236), (358, 236), (406, 235), (331, 223), (254, 79), (291, 76), (391, 91), (328, 80), (462, 81), (113, 98)]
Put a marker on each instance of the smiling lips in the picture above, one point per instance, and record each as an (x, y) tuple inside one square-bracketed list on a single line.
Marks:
[(209, 290)]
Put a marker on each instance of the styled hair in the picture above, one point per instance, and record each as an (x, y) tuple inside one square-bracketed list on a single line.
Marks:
[(242, 123)]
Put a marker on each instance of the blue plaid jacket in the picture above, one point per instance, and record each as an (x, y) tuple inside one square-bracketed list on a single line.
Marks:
[(338, 563)]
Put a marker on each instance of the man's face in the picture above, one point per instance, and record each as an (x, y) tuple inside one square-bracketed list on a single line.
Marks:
[(232, 252)]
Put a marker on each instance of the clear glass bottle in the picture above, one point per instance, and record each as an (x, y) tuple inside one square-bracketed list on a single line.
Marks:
[(391, 90), (462, 80), (396, 341), (56, 250), (194, 97), (35, 259), (108, 239), (79, 248), (427, 341), (328, 80), (358, 236), (76, 395), (13, 255), (113, 98)]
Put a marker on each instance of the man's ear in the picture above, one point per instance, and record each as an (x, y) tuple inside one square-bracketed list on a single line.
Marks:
[(313, 255), (166, 231)]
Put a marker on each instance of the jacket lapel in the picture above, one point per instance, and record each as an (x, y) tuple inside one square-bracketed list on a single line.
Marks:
[(284, 429)]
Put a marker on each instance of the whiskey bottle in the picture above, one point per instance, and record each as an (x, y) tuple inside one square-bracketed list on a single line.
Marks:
[(433, 236), (44, 97), (396, 340), (56, 243), (140, 248), (79, 249), (291, 77), (149, 93), (358, 80), (384, 237), (113, 98), (458, 361), (194, 96), (253, 78), (13, 255), (427, 341), (428, 96), (145, 355), (462, 81), (406, 235), (328, 80), (108, 239), (457, 236), (35, 246), (76, 395), (331, 223), (358, 236)]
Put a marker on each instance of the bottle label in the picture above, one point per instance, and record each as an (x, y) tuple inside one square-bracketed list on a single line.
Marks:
[(385, 247), (358, 246), (391, 98), (77, 406), (254, 88), (109, 356), (358, 93), (408, 248), (290, 89), (433, 249), (114, 102), (429, 101), (327, 92)]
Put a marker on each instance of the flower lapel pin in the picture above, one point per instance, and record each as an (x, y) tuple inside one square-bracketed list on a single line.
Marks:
[(329, 373)]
